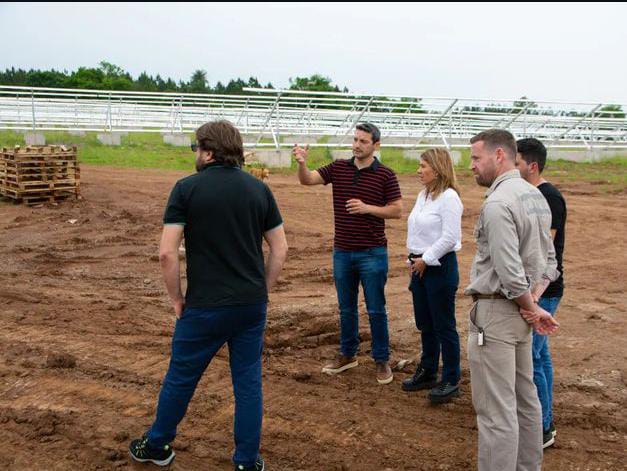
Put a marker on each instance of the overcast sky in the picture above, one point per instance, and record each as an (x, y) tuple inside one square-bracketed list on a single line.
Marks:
[(567, 51)]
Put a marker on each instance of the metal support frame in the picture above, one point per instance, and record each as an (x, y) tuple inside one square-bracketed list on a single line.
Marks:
[(355, 121), (437, 121), (265, 124), (589, 114), (450, 121)]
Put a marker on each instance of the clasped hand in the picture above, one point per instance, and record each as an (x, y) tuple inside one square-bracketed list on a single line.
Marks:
[(541, 320)]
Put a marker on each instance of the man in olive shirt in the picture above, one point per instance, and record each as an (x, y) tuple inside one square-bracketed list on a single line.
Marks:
[(514, 263), (531, 160)]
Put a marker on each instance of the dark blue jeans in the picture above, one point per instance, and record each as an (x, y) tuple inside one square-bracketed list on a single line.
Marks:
[(198, 336), (434, 312), (543, 366), (370, 267)]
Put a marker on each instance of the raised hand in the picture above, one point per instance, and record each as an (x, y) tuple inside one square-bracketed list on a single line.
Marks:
[(300, 153)]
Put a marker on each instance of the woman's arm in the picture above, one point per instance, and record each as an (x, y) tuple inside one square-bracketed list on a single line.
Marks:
[(451, 210)]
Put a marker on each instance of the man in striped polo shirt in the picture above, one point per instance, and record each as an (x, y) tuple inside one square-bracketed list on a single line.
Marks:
[(365, 193)]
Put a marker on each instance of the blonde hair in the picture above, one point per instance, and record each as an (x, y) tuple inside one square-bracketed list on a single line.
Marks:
[(442, 164)]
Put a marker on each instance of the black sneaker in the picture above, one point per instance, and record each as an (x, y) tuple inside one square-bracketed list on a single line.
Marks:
[(258, 466), (552, 429), (422, 379), (443, 392), (142, 452), (548, 439)]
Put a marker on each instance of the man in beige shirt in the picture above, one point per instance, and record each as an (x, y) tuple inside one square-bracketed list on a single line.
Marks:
[(515, 262)]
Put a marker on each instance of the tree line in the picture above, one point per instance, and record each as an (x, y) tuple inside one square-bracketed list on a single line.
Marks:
[(109, 76)]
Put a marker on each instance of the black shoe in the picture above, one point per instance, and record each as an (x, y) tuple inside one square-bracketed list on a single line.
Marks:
[(422, 379), (548, 439), (142, 452), (443, 392), (552, 429), (258, 466)]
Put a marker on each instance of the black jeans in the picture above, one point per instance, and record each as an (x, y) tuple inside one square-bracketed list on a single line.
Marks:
[(434, 311)]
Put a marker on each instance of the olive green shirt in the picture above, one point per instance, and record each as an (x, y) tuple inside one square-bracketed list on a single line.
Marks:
[(514, 245)]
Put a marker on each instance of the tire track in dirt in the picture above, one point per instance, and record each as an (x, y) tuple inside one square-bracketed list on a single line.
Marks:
[(91, 291)]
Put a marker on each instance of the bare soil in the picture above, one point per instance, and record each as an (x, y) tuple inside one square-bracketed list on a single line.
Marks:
[(85, 331)]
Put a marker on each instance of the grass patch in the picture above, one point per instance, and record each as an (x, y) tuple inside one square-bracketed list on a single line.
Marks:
[(147, 150), (610, 175), (138, 150)]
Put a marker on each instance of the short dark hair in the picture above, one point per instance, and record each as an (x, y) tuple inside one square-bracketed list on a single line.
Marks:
[(224, 140), (370, 129), (532, 150), (498, 138)]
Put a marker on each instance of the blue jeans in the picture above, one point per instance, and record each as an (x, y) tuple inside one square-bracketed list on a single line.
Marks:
[(198, 336), (543, 367), (370, 267), (434, 312)]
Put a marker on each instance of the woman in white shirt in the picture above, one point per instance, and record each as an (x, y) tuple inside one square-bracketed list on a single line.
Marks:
[(433, 236)]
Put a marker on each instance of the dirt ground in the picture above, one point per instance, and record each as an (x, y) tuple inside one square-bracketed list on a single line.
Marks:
[(85, 334)]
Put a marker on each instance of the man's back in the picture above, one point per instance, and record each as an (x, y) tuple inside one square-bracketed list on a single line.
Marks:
[(558, 213), (226, 212)]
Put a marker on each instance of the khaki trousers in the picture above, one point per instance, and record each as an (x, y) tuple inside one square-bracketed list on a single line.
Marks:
[(509, 416)]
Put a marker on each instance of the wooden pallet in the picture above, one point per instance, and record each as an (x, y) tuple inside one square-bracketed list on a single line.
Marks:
[(37, 174)]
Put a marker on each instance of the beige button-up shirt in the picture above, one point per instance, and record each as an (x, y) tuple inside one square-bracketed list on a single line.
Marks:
[(514, 245)]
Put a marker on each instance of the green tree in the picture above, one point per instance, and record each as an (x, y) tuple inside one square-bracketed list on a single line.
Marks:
[(611, 111), (13, 76), (45, 78), (219, 88), (253, 83), (145, 83), (198, 82), (170, 86), (315, 83), (111, 70), (86, 78), (236, 87)]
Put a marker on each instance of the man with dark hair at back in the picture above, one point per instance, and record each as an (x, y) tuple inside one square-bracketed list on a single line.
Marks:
[(531, 160), (365, 193), (225, 214), (514, 262)]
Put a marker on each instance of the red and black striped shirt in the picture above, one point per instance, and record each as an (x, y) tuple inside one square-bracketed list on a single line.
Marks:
[(376, 185)]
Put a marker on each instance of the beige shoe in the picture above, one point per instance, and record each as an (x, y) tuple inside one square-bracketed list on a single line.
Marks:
[(384, 372), (340, 364)]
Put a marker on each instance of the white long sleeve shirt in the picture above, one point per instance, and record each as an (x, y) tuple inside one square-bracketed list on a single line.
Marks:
[(434, 227)]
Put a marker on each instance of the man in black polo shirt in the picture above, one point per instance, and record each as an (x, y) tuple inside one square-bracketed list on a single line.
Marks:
[(224, 214), (365, 193), (530, 161)]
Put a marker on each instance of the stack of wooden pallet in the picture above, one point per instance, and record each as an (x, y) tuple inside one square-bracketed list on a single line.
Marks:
[(39, 174)]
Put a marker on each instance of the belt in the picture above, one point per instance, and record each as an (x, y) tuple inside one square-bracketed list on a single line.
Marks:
[(476, 297), (412, 256)]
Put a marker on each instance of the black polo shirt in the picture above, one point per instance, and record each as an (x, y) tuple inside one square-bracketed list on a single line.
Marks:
[(225, 212), (375, 185)]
